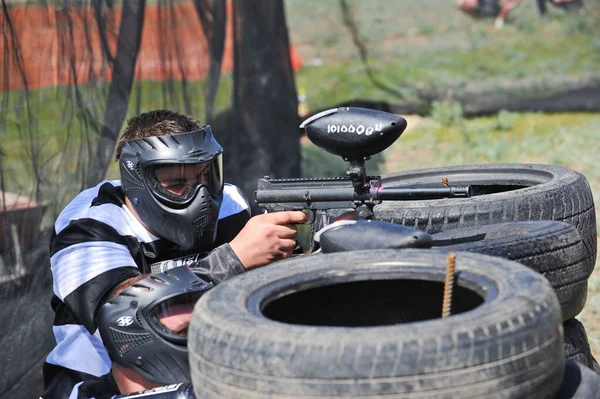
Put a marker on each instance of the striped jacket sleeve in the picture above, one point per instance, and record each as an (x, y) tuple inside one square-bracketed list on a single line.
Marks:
[(88, 258)]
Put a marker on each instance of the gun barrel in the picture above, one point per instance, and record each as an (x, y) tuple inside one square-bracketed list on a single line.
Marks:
[(324, 196), (422, 192), (311, 194)]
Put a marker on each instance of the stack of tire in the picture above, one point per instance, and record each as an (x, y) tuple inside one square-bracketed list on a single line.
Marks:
[(367, 323), (564, 252)]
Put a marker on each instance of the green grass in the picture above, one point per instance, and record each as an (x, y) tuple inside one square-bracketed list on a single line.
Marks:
[(430, 45), (560, 139)]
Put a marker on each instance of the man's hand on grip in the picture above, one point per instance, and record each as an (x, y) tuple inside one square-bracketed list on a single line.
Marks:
[(267, 238)]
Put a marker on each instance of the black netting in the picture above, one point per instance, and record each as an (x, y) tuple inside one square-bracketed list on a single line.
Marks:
[(72, 73)]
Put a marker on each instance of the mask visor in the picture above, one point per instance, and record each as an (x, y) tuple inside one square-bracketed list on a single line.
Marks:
[(179, 182), (171, 317)]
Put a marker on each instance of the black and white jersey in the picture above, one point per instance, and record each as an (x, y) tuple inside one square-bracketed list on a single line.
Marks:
[(97, 243)]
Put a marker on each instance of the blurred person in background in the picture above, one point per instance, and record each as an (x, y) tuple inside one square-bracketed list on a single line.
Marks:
[(170, 208), (499, 9), (479, 8), (567, 5)]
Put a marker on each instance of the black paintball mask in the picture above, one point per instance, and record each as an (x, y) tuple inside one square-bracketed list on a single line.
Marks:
[(175, 184), (144, 328)]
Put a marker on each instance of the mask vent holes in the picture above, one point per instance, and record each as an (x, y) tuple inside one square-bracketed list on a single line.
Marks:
[(138, 318), (128, 341), (144, 287)]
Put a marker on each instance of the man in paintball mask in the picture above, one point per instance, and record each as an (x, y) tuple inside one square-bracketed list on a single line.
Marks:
[(170, 208), (144, 327)]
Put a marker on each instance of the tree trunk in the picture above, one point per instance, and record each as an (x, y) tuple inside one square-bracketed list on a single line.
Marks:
[(264, 133), (130, 36), (213, 19)]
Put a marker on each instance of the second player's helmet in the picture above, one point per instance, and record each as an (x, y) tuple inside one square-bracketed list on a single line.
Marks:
[(175, 184), (144, 328)]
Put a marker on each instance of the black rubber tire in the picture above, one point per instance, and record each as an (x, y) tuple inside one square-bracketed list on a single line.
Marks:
[(546, 193), (291, 330), (579, 382), (553, 249), (577, 347)]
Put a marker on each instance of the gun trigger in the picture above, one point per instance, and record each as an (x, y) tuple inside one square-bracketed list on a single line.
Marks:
[(311, 217)]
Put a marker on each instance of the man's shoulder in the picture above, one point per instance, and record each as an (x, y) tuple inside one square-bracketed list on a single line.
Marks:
[(102, 202), (100, 189)]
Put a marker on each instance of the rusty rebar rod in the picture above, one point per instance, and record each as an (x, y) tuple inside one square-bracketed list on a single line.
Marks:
[(449, 284)]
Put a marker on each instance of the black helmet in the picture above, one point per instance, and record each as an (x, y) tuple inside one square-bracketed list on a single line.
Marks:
[(142, 326), (175, 183)]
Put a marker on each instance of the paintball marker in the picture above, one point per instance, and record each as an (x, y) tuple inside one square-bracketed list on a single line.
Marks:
[(355, 134)]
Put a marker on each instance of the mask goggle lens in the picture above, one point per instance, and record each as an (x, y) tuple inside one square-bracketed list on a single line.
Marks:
[(179, 182), (171, 317)]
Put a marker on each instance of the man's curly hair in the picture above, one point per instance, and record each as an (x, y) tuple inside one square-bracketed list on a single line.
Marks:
[(155, 123)]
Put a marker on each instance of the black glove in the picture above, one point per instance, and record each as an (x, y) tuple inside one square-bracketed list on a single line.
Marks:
[(174, 391)]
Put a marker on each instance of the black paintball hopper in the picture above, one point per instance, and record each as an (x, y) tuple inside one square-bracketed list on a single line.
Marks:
[(366, 234), (353, 133)]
